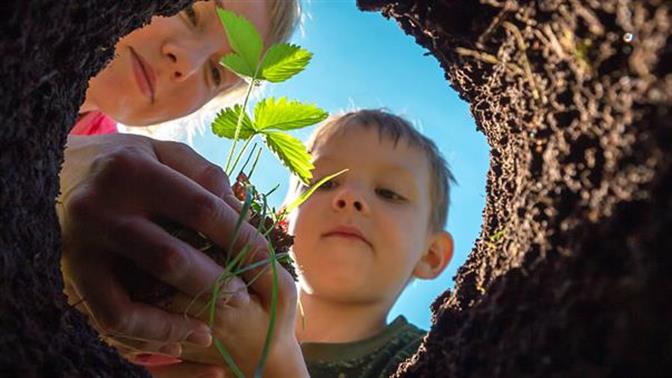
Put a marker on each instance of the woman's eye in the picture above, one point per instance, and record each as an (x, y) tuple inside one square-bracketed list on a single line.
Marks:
[(216, 76), (388, 194), (191, 14)]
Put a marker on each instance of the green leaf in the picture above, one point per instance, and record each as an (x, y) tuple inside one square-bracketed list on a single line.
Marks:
[(282, 61), (244, 40), (291, 152), (237, 64), (225, 123), (282, 114)]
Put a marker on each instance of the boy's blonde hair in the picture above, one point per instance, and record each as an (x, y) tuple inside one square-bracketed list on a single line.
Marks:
[(397, 128)]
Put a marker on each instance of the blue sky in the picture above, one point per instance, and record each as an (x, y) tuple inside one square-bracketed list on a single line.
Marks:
[(363, 60)]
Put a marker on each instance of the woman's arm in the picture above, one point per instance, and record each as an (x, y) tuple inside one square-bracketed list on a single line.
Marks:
[(112, 186)]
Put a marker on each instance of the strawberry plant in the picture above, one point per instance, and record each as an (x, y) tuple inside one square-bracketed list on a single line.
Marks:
[(270, 121)]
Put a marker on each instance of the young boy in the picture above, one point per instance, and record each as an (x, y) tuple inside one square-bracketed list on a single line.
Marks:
[(358, 241), (362, 237)]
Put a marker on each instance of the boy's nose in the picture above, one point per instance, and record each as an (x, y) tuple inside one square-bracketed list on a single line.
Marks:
[(184, 61), (341, 203), (347, 199)]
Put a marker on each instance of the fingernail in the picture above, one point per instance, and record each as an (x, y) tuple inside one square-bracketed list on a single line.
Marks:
[(200, 338), (174, 349)]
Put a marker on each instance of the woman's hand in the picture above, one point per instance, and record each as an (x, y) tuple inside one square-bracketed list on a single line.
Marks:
[(112, 187)]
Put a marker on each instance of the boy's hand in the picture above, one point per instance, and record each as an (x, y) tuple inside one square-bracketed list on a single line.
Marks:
[(241, 322), (112, 187)]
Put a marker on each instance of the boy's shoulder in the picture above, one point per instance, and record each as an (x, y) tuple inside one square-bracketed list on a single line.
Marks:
[(377, 356)]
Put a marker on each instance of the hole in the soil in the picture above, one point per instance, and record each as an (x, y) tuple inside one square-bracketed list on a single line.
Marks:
[(354, 69)]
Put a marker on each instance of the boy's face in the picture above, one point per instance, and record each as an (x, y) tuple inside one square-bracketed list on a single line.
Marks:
[(359, 237), (170, 68)]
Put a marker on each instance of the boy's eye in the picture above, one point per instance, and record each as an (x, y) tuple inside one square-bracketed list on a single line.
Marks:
[(191, 14), (327, 185), (389, 194)]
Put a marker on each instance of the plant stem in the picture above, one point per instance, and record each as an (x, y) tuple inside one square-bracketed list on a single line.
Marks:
[(240, 122), (254, 165), (240, 154)]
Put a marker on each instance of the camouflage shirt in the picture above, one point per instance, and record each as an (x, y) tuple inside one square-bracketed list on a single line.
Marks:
[(377, 356)]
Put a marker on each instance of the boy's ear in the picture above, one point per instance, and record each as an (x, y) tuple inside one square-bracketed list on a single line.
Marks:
[(436, 258)]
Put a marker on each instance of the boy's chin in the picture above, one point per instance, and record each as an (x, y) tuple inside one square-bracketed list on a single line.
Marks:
[(339, 290)]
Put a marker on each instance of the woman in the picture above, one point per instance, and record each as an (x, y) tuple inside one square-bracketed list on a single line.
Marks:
[(169, 68), (113, 186)]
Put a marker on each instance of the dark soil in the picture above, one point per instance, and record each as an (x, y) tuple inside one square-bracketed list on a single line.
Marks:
[(571, 273), (570, 276), (49, 50)]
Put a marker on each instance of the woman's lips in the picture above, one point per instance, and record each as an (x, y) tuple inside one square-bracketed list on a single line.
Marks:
[(144, 75)]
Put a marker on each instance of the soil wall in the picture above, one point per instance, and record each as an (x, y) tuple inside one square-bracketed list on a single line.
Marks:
[(571, 273), (570, 276), (49, 50)]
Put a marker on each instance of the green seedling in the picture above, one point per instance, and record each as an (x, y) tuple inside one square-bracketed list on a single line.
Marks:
[(270, 121), (272, 117)]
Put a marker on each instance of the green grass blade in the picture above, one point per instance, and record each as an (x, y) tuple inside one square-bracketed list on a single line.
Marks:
[(254, 165), (305, 195), (229, 359), (272, 190), (242, 152), (257, 264), (249, 157), (241, 218), (271, 323)]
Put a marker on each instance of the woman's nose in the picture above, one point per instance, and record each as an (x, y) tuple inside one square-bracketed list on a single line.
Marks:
[(349, 199), (184, 60)]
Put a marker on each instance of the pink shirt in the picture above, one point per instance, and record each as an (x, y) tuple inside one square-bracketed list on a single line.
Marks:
[(94, 123)]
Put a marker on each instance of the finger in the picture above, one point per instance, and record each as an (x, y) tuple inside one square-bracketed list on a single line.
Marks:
[(188, 162), (165, 257), (146, 353), (263, 285), (115, 314), (234, 294), (200, 210), (187, 369)]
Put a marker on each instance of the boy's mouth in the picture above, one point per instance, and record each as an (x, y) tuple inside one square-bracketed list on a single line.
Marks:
[(347, 232), (144, 75)]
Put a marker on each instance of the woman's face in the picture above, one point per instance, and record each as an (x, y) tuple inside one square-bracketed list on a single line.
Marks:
[(170, 68)]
